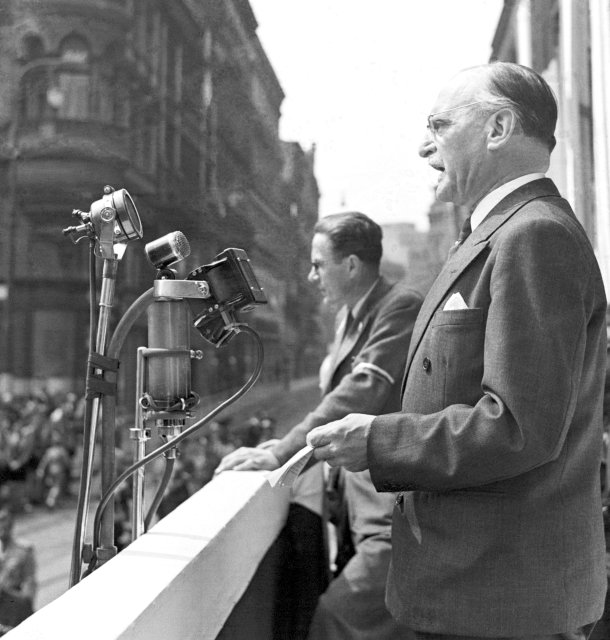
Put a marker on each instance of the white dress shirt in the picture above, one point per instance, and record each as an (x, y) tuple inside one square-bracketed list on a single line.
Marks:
[(493, 197)]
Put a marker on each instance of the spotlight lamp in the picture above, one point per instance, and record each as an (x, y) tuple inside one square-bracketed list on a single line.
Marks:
[(111, 220)]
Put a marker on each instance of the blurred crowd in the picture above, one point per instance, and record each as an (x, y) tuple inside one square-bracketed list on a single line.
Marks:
[(201, 454), (40, 437), (198, 457), (41, 451)]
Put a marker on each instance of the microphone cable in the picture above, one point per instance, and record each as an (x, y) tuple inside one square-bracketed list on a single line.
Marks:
[(238, 328), (167, 475)]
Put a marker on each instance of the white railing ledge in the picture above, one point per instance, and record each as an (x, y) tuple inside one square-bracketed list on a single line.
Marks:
[(179, 581)]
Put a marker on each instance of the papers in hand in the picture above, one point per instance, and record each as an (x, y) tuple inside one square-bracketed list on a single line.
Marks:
[(287, 473)]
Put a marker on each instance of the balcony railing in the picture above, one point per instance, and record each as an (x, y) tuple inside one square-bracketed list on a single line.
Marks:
[(187, 578)]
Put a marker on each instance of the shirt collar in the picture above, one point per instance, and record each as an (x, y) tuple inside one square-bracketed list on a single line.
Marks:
[(493, 197)]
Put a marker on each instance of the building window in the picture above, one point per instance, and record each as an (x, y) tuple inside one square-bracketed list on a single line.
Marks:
[(74, 89), (32, 47), (75, 50), (34, 87), (110, 99), (74, 79)]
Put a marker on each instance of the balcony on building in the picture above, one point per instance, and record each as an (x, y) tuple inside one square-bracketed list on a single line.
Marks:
[(207, 570)]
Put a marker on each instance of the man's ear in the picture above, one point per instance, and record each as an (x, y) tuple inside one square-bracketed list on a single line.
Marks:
[(354, 264), (502, 125)]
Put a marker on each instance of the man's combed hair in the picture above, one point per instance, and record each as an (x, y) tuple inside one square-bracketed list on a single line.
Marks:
[(353, 233), (530, 97)]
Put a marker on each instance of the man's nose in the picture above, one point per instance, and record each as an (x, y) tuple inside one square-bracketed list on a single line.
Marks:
[(427, 147), (312, 276)]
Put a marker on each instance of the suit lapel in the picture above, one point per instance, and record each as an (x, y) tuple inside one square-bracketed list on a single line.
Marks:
[(343, 347), (449, 274), (346, 345), (330, 362), (476, 242)]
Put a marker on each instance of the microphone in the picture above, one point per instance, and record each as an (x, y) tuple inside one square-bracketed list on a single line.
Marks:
[(168, 249), (169, 372)]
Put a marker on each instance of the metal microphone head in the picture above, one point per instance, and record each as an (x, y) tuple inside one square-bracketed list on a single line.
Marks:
[(168, 249)]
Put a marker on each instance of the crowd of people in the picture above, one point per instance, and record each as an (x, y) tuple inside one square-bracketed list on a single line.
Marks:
[(201, 454), (40, 467), (39, 447)]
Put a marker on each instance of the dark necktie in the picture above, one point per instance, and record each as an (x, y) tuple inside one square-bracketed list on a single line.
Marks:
[(465, 231), (349, 321)]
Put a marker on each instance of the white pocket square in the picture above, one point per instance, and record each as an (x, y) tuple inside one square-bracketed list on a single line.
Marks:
[(455, 302)]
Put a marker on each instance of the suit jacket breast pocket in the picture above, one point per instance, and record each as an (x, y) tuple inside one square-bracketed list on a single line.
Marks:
[(458, 337)]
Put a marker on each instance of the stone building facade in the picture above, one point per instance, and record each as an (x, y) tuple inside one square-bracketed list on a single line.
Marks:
[(568, 42), (178, 103)]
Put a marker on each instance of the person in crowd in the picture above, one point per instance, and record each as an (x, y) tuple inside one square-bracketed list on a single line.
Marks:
[(251, 432), (53, 471), (194, 455), (361, 373), (267, 427), (17, 573), (40, 442), (177, 491), (497, 529), (219, 442), (23, 449)]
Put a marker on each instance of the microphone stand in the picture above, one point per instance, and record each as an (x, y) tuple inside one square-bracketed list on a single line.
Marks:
[(110, 224), (163, 380), (133, 313), (164, 396), (79, 551)]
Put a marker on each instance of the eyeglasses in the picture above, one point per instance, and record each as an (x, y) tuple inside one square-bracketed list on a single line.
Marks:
[(433, 126)]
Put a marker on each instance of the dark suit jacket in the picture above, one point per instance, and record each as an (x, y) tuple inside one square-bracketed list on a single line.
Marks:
[(497, 446), (364, 376)]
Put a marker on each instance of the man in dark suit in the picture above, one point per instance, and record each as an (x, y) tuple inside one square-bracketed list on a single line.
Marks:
[(362, 373), (497, 531)]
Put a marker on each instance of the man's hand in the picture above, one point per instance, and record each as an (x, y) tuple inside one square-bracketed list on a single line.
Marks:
[(342, 443), (248, 459)]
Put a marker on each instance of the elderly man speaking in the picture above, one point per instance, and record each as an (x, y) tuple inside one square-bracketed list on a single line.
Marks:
[(497, 531)]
